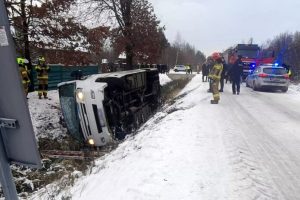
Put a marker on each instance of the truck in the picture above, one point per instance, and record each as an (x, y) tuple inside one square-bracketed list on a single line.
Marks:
[(252, 56), (104, 107)]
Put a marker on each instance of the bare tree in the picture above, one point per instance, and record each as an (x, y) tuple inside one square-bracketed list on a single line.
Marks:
[(185, 54), (136, 25), (39, 24), (287, 50)]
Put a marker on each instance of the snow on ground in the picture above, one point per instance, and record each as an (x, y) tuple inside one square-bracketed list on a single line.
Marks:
[(171, 158), (164, 79), (244, 148), (294, 90), (45, 115)]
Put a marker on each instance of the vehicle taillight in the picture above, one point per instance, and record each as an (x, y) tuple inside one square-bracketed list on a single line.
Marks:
[(286, 76), (263, 75)]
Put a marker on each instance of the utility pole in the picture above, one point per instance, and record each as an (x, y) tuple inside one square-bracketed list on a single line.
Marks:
[(177, 57)]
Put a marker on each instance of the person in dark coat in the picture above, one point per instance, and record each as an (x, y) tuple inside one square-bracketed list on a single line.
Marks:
[(77, 74), (288, 69), (223, 75), (205, 72), (236, 72), (227, 73)]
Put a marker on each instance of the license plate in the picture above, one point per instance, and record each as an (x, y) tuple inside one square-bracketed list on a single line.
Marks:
[(275, 79)]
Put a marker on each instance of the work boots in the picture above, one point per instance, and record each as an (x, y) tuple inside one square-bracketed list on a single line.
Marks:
[(214, 101)]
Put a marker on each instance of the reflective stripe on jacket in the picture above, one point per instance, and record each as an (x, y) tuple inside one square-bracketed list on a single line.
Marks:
[(216, 71), (24, 75), (42, 71)]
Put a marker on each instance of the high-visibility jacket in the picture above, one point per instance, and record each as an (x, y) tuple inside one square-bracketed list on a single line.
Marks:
[(290, 72), (24, 74), (42, 71), (215, 72)]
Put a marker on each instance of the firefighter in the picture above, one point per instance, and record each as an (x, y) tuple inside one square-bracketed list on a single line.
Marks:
[(187, 69), (42, 76), (223, 75), (236, 72), (215, 76), (24, 74)]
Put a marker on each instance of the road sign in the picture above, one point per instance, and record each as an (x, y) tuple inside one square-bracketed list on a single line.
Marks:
[(20, 142), (17, 139)]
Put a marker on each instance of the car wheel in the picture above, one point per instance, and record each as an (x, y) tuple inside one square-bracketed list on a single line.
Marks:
[(285, 89), (254, 87), (247, 85), (175, 70)]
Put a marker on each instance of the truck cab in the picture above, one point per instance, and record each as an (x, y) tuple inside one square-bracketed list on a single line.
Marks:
[(249, 53)]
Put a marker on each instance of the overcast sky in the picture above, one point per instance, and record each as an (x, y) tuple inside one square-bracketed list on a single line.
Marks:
[(214, 25)]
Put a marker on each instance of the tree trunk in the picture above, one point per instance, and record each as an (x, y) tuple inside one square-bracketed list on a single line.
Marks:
[(126, 15), (129, 57)]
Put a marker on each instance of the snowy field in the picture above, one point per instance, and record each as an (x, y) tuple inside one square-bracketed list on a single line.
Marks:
[(247, 147)]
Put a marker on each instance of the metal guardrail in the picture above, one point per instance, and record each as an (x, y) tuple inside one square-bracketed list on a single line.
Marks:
[(61, 73)]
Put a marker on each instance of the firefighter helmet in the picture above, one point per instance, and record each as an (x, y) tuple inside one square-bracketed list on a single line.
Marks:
[(20, 61), (41, 59), (216, 56)]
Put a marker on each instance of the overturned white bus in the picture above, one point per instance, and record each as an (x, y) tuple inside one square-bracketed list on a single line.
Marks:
[(104, 107)]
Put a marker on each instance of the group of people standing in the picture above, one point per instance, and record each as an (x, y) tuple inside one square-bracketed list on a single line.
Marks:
[(42, 70), (216, 70)]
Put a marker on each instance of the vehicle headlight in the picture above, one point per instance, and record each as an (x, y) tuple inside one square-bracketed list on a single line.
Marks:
[(80, 94), (91, 141)]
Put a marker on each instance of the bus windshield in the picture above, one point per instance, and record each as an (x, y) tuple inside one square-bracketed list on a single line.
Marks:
[(69, 109)]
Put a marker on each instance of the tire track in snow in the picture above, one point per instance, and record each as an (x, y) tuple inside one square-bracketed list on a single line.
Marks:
[(278, 146), (268, 143), (250, 176), (247, 173)]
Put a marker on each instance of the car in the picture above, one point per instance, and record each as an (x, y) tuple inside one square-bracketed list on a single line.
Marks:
[(268, 76), (179, 68)]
